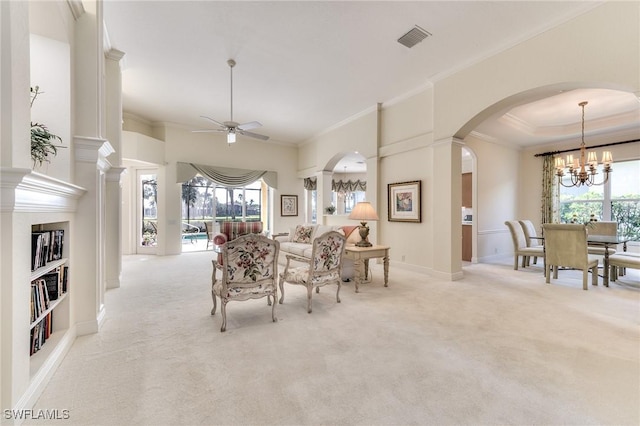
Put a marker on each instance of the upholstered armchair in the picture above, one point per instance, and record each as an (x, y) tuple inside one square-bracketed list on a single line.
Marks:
[(249, 271), (566, 245), (520, 247), (324, 267)]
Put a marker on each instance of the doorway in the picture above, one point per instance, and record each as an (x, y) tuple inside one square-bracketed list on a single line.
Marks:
[(468, 205), (147, 207)]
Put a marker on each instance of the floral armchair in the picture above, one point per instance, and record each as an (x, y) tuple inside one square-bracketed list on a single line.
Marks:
[(324, 267), (249, 271)]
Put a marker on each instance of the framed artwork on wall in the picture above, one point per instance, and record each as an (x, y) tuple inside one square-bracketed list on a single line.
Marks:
[(288, 205), (404, 201)]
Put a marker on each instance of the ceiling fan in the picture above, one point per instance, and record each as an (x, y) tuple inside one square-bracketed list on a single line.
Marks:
[(231, 127)]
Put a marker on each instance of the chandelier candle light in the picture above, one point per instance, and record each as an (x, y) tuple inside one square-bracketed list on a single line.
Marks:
[(363, 212), (584, 172)]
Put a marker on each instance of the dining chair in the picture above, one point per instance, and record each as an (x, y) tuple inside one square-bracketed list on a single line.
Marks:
[(530, 236), (324, 267), (249, 271), (520, 247), (602, 228), (566, 246)]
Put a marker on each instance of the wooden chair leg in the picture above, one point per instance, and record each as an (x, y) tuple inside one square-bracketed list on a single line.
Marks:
[(309, 293), (223, 308), (281, 285), (585, 276), (547, 273)]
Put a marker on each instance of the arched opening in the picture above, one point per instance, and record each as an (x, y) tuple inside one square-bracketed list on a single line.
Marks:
[(505, 137)]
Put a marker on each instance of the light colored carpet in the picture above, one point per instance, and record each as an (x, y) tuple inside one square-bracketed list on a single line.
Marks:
[(499, 347)]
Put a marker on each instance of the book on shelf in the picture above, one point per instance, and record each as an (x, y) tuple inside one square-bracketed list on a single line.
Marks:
[(54, 283), (40, 333), (45, 247)]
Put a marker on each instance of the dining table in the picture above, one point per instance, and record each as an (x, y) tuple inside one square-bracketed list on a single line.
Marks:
[(607, 241)]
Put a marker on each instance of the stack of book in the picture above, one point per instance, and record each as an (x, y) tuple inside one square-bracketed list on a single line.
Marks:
[(45, 247)]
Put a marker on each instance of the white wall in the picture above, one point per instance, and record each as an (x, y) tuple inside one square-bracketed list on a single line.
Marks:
[(415, 133), (51, 71), (181, 145), (498, 177)]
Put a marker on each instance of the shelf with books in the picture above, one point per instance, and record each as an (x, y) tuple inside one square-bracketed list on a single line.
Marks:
[(49, 306)]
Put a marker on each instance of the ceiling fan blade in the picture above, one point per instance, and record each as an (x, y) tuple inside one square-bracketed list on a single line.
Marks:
[(249, 125), (208, 130), (212, 120), (253, 135)]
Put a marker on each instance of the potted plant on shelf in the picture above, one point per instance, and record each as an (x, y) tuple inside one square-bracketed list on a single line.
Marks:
[(42, 140), (331, 209)]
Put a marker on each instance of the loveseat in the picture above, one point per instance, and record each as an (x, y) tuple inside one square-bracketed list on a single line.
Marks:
[(230, 231), (298, 242)]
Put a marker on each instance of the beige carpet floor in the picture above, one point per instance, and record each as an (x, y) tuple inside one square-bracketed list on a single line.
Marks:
[(498, 347)]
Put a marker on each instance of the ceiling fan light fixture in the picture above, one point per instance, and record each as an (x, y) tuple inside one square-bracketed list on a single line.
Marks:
[(231, 136)]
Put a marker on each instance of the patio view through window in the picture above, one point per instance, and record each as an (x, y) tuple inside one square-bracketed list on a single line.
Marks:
[(204, 201), (149, 227), (617, 200)]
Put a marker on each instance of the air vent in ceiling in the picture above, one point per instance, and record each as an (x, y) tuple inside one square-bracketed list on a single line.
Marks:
[(413, 37)]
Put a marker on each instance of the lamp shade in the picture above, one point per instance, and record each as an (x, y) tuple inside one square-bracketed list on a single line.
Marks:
[(363, 211), (231, 136)]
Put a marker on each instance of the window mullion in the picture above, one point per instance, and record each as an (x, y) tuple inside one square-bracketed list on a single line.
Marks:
[(606, 208)]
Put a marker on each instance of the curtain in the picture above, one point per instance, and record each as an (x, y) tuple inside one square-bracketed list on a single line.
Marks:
[(348, 186), (224, 176), (550, 191), (311, 183)]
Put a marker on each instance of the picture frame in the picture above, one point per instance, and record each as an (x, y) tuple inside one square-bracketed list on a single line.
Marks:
[(288, 205), (404, 201)]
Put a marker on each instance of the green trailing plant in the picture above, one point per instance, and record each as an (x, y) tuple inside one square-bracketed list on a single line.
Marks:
[(42, 140)]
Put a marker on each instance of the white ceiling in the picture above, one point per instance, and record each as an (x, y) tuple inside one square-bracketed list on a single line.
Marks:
[(305, 66)]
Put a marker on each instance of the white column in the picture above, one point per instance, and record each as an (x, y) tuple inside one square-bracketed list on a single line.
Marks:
[(88, 236), (113, 226), (324, 193), (447, 193), (113, 191), (14, 85)]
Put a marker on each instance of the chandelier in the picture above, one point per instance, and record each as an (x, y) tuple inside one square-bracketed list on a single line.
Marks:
[(583, 172)]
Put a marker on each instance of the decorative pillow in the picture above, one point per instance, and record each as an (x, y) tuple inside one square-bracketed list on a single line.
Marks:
[(303, 234)]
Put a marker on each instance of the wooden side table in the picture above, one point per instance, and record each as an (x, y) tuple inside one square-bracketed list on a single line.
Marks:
[(361, 256)]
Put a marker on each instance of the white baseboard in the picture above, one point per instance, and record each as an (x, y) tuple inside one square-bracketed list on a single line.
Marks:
[(44, 374), (426, 271)]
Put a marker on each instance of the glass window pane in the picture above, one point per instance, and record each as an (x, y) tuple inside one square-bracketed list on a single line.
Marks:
[(580, 211), (625, 179)]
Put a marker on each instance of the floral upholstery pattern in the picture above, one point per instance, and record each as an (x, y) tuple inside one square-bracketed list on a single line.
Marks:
[(328, 253), (324, 267), (300, 275), (249, 270), (303, 234)]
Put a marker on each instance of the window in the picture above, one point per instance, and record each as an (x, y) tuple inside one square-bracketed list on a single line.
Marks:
[(201, 198), (149, 197), (618, 200)]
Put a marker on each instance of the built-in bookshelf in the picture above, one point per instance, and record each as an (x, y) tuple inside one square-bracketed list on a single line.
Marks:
[(49, 282)]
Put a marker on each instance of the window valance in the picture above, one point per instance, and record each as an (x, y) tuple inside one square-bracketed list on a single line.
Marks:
[(225, 176), (348, 186), (311, 183)]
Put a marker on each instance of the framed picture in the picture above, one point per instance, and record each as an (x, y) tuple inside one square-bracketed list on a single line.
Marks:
[(404, 201), (288, 205)]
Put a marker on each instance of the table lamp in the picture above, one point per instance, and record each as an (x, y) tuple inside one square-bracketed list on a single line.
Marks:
[(363, 212)]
